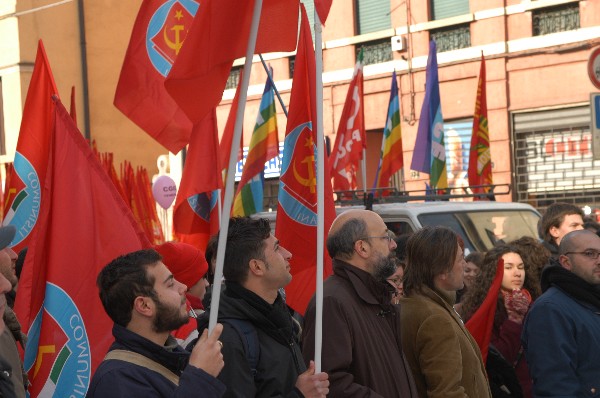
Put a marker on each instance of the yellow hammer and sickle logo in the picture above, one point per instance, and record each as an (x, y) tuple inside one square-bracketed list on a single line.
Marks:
[(174, 45), (311, 181)]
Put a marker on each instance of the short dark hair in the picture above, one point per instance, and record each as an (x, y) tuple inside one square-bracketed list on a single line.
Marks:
[(401, 241), (554, 216), (209, 255), (245, 241), (340, 244), (430, 251), (475, 258), (124, 279)]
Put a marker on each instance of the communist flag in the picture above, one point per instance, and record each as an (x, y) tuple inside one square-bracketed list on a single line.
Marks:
[(350, 139), (482, 321), (156, 40), (264, 146), (83, 224), (392, 158), (322, 7), (23, 194), (227, 137), (196, 211), (480, 157), (296, 226), (218, 36)]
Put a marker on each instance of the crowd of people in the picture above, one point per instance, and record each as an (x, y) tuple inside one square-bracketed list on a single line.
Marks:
[(397, 313)]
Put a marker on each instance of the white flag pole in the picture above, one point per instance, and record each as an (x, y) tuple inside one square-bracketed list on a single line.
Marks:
[(320, 192), (235, 147)]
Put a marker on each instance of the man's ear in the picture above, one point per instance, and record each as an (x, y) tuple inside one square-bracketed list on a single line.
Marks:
[(554, 232), (565, 261), (144, 306), (257, 267), (362, 249)]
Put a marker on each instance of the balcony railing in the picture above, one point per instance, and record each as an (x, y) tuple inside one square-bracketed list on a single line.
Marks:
[(376, 52), (452, 38), (556, 19)]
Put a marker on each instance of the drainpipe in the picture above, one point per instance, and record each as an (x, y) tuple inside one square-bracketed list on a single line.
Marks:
[(84, 72)]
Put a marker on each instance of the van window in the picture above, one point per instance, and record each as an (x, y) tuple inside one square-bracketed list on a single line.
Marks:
[(399, 227), (482, 229)]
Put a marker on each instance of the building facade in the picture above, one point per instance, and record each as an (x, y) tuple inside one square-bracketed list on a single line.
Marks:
[(538, 88)]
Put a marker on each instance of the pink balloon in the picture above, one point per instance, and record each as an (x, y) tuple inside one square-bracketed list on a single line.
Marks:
[(164, 191)]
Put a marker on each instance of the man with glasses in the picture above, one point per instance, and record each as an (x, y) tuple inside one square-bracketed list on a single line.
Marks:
[(561, 334), (362, 351)]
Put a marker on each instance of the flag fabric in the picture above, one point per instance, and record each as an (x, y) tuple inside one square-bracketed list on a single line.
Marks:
[(196, 210), (218, 36), (83, 224), (23, 193), (480, 157), (482, 321), (156, 40), (227, 137), (73, 109), (429, 155), (264, 146), (391, 159), (350, 139), (322, 7), (296, 225)]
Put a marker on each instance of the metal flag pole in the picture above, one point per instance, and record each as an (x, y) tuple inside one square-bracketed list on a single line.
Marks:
[(267, 69), (320, 192), (235, 147)]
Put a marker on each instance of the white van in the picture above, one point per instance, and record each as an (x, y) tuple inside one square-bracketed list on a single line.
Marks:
[(480, 224)]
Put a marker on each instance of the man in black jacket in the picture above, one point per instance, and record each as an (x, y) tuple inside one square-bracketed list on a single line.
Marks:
[(558, 220), (253, 314), (146, 302)]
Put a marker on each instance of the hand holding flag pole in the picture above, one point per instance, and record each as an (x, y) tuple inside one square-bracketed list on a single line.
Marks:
[(235, 147)]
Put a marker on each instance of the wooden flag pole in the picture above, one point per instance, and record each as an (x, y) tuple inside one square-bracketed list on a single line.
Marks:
[(229, 184)]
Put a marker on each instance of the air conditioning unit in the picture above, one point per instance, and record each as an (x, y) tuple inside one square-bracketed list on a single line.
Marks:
[(399, 43)]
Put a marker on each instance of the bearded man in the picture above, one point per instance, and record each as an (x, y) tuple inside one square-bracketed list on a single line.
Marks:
[(362, 350), (146, 302)]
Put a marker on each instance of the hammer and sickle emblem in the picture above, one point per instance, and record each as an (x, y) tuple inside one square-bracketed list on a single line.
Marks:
[(311, 181), (174, 45)]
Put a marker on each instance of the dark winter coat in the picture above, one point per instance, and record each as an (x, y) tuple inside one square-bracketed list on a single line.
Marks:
[(120, 379), (362, 351), (561, 336), (280, 359)]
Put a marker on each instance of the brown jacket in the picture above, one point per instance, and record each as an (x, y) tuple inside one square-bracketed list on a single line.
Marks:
[(444, 357), (362, 352)]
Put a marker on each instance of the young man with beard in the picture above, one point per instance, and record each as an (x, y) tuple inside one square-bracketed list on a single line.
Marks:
[(146, 302), (256, 267), (444, 357), (561, 334), (362, 350)]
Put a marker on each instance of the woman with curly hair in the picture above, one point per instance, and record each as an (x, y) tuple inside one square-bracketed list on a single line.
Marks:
[(518, 291)]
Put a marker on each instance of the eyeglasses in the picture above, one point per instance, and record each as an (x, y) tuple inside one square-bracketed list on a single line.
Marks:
[(591, 254), (387, 237)]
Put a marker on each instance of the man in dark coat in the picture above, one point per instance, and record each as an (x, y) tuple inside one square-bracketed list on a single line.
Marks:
[(146, 302), (362, 351), (558, 220), (255, 268), (561, 334)]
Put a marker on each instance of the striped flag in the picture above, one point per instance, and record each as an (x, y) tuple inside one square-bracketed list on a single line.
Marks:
[(263, 147), (391, 144), (480, 158), (430, 151)]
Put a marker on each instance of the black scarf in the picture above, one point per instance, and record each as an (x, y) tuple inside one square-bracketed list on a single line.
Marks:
[(555, 275), (276, 318)]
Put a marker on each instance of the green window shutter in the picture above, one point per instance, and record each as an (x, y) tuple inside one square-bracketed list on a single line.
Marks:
[(373, 15), (448, 8)]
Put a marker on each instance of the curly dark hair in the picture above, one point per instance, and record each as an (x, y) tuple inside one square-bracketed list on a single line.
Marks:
[(535, 256), (477, 294)]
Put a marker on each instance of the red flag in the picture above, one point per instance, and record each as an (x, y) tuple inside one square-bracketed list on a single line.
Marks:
[(296, 226), (73, 109), (24, 194), (480, 157), (83, 225), (218, 36), (350, 139), (482, 321), (227, 138), (158, 34), (195, 210), (322, 7)]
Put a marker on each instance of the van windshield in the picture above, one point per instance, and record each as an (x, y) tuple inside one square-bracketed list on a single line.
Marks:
[(480, 230)]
